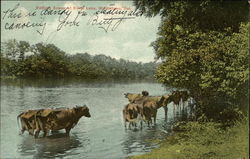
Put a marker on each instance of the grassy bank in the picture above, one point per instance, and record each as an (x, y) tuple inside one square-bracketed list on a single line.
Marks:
[(203, 141)]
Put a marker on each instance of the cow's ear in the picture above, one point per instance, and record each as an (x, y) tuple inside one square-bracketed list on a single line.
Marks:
[(145, 93), (76, 108), (126, 95), (85, 108)]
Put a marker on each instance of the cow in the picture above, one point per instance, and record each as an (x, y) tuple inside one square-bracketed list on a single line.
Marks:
[(133, 97), (178, 96), (150, 107), (57, 119), (27, 120), (154, 99), (130, 114)]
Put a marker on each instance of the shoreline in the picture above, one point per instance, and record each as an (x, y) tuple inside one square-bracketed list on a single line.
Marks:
[(203, 140)]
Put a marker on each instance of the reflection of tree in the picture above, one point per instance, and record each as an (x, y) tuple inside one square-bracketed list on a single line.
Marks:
[(48, 98), (58, 145)]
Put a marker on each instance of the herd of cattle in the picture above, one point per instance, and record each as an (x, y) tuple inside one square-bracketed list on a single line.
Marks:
[(141, 107)]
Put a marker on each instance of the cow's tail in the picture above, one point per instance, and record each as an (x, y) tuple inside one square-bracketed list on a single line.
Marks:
[(18, 122)]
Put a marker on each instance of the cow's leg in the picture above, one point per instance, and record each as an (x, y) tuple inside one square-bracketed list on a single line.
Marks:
[(125, 124), (42, 123), (39, 125), (140, 119), (183, 104), (37, 133), (31, 127), (174, 109), (154, 120), (148, 122), (31, 132), (54, 131), (141, 123), (45, 132), (67, 130), (166, 111), (155, 117)]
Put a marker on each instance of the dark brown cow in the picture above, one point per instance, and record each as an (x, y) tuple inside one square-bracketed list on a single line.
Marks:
[(130, 114), (57, 119), (177, 96)]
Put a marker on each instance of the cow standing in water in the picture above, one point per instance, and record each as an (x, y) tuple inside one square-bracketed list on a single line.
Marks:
[(179, 97), (27, 120), (146, 106), (130, 114), (51, 119), (150, 107), (139, 98), (132, 97), (58, 119)]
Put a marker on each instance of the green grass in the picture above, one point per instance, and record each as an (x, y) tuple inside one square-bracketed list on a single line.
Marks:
[(205, 140)]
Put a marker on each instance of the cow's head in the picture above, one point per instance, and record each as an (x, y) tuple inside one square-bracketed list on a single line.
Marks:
[(145, 93), (83, 111), (164, 100), (132, 111), (126, 95)]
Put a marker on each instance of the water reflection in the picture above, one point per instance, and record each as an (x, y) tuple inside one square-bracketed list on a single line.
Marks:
[(55, 82), (56, 145), (138, 140)]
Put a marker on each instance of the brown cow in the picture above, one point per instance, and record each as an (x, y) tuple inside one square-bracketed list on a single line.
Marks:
[(130, 114), (149, 108), (155, 99), (27, 120), (133, 97), (57, 119)]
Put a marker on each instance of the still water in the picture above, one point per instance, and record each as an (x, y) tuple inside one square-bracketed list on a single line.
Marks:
[(101, 136)]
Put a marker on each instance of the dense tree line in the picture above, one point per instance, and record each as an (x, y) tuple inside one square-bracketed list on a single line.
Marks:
[(204, 48), (20, 59)]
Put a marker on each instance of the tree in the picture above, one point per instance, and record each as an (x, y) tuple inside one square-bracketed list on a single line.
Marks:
[(47, 60), (203, 48)]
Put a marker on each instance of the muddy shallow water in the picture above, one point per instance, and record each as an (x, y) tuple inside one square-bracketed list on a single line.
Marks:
[(101, 136)]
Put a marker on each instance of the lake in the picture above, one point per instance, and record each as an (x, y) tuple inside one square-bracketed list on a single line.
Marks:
[(101, 136)]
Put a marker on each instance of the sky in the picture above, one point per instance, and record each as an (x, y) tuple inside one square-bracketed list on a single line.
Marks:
[(130, 40)]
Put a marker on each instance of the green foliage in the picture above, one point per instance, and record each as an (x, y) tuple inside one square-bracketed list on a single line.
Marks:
[(19, 59), (214, 67), (203, 47), (203, 140)]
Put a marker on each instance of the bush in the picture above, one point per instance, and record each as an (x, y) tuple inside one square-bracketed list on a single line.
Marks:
[(204, 140)]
